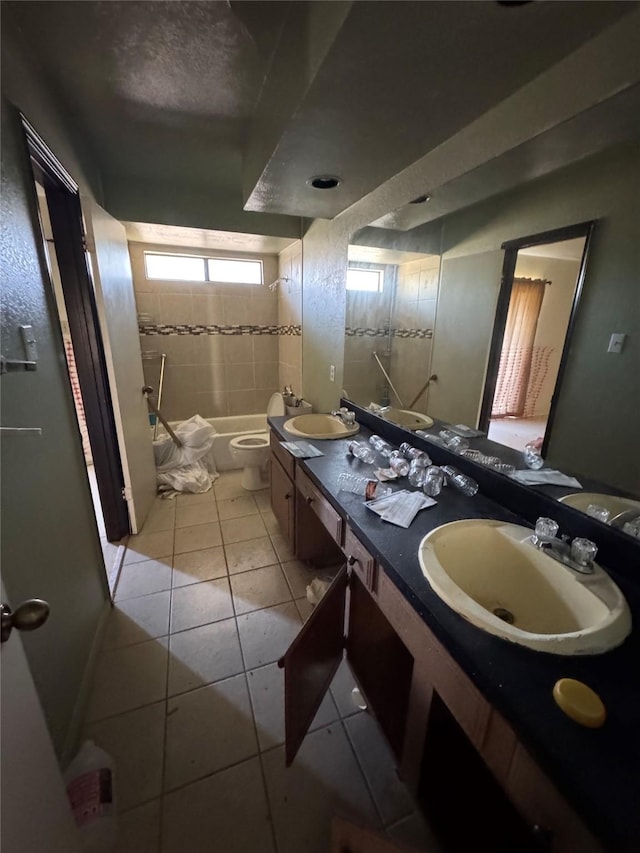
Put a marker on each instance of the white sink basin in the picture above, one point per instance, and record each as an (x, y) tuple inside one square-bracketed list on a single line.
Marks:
[(319, 426), (490, 573), (614, 503), (406, 418)]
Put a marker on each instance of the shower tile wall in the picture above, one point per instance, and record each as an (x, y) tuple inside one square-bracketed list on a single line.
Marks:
[(290, 314), (212, 375), (414, 308), (368, 315)]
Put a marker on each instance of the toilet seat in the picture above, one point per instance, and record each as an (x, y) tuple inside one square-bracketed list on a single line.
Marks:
[(250, 442)]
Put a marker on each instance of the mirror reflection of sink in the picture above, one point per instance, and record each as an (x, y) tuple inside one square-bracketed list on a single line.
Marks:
[(490, 573), (406, 418), (614, 503), (319, 426)]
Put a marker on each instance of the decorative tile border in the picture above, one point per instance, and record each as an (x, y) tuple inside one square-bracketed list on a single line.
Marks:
[(215, 329), (383, 333)]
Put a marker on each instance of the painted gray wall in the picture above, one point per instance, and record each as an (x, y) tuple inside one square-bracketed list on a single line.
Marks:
[(598, 417), (50, 544)]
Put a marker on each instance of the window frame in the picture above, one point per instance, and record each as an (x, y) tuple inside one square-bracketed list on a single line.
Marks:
[(205, 259)]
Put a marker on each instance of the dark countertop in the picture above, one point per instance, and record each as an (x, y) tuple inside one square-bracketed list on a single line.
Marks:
[(597, 770)]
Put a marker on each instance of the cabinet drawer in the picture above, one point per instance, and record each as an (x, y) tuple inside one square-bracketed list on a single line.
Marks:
[(363, 563), (320, 505), (283, 456)]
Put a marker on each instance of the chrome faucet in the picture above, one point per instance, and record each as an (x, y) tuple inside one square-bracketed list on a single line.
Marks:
[(577, 555), (347, 417)]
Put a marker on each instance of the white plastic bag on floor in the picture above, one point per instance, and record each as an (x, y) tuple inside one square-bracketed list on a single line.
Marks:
[(189, 468)]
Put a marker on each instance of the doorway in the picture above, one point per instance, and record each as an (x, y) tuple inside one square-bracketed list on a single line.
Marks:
[(73, 296), (542, 281)]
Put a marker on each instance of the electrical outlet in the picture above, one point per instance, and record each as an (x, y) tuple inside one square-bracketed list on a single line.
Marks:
[(616, 342), (332, 373)]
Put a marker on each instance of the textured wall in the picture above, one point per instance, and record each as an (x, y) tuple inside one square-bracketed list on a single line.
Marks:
[(324, 254), (290, 315), (212, 375)]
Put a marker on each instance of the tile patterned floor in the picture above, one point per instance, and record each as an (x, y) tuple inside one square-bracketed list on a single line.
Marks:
[(188, 698)]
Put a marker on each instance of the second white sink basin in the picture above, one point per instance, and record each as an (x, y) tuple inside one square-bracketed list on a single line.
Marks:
[(407, 418), (614, 503), (490, 573), (319, 426)]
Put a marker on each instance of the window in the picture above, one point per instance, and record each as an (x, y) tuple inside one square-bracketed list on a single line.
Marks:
[(363, 279), (192, 268)]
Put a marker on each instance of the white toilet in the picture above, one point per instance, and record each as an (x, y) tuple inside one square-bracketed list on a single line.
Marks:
[(252, 451)]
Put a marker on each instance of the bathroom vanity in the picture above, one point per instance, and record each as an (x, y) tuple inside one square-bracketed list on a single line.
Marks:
[(469, 717)]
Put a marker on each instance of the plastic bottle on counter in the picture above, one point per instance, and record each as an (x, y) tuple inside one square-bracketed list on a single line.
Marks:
[(433, 481), (381, 445), (454, 442), (465, 484), (362, 451), (398, 464), (369, 489), (416, 473), (90, 788)]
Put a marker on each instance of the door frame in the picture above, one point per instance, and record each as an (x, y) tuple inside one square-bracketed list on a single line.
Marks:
[(63, 201), (511, 249)]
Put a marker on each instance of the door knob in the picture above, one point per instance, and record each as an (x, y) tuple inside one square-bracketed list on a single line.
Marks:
[(28, 616)]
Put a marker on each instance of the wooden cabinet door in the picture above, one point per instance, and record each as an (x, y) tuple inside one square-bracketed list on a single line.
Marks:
[(348, 837), (283, 499), (310, 663)]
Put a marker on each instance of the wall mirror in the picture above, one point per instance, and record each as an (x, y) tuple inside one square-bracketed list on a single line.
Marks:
[(481, 340)]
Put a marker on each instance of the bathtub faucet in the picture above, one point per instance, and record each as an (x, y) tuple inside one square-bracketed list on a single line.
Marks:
[(347, 417)]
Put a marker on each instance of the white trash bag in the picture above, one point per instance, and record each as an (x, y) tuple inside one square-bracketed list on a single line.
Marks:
[(189, 468)]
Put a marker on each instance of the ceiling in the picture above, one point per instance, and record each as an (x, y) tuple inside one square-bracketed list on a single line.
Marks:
[(566, 250), (198, 238), (216, 114)]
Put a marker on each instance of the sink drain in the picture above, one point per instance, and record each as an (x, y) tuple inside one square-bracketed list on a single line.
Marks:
[(504, 614)]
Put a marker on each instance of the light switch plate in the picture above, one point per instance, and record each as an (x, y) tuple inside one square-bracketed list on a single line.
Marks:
[(616, 342)]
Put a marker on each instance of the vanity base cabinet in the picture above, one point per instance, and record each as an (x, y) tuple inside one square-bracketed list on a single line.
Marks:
[(283, 500)]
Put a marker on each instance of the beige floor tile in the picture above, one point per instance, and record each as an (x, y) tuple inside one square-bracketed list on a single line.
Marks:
[(325, 779), (299, 576), (240, 529), (282, 547), (134, 620), (265, 635), (207, 730), (266, 686), (143, 578), (197, 537), (305, 608), (342, 691), (237, 507), (259, 588), (250, 554), (203, 655), (203, 513), (226, 812), (270, 522), (229, 485), (378, 765), (149, 546), (263, 499), (200, 603), (188, 500), (128, 678), (139, 829), (162, 516), (195, 566), (135, 741)]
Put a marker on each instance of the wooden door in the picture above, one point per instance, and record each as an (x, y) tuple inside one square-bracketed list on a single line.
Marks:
[(310, 663), (107, 245), (35, 809), (282, 499)]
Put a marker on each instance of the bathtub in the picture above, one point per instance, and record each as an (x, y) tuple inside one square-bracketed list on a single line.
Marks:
[(226, 429)]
